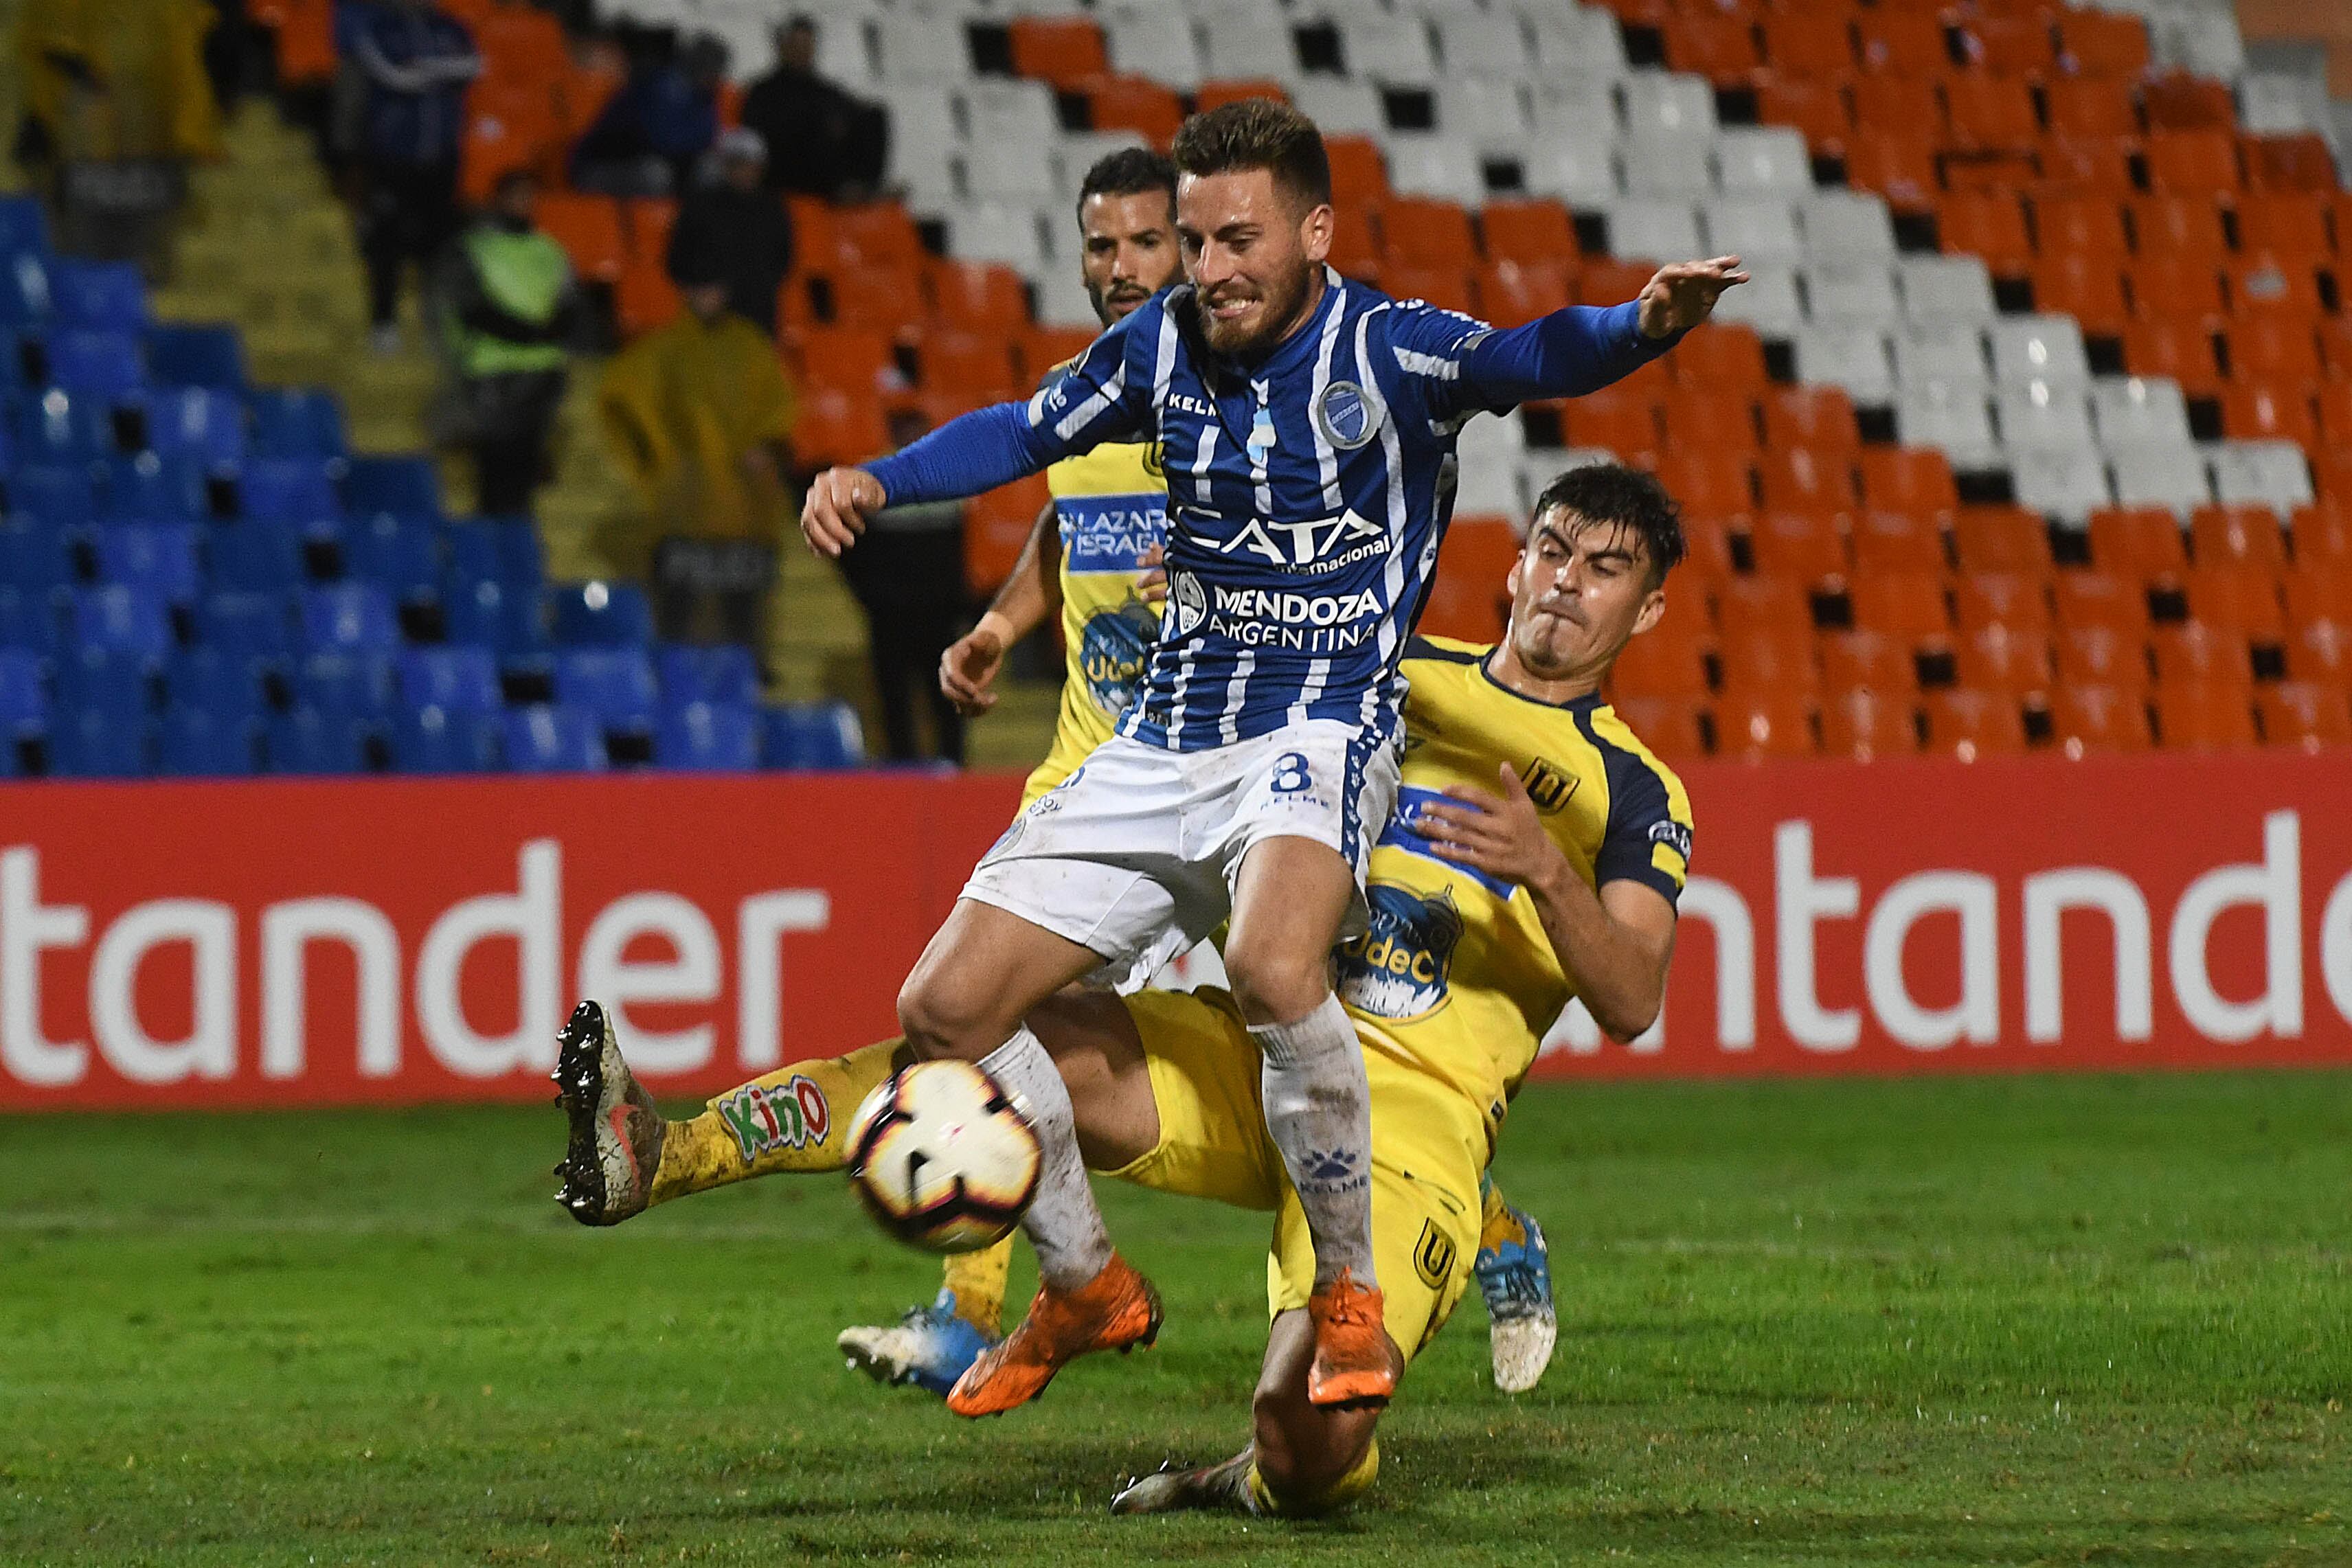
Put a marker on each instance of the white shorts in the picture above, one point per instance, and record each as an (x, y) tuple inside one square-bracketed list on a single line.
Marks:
[(1134, 855)]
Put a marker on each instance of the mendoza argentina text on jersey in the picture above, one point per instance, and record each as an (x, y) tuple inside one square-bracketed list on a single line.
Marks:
[(1307, 490), (1456, 976)]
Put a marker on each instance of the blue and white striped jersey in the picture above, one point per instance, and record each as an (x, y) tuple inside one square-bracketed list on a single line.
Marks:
[(1307, 493)]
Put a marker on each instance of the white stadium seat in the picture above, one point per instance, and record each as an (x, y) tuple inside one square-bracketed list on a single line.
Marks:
[(1855, 292), (1341, 108), (1767, 302), (1063, 299), (1576, 103), (1751, 159), (1019, 113), (1021, 173), (1847, 225), (1941, 288), (989, 231), (1578, 39), (1488, 482), (1247, 44), (916, 48), (1950, 414), (1483, 44), (1663, 163), (1581, 173), (1444, 166), (1157, 41), (2039, 416), (844, 49), (2037, 347), (2272, 473), (1492, 438), (1655, 230), (2068, 485), (1761, 230), (1388, 48), (2139, 411), (1854, 358), (2170, 474), (1486, 109), (1663, 100), (1079, 151), (1950, 352)]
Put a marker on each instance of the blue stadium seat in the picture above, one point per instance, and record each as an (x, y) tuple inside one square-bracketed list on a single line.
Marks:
[(23, 289), (131, 619), (708, 738), (95, 745), (256, 556), (349, 618), (145, 486), (106, 680), (399, 554), (108, 295), (552, 738), (200, 744), (23, 227), (35, 558), (96, 363), (297, 421), (436, 741), (159, 556), (201, 425), (59, 426), (347, 686), (457, 679), (24, 707), (291, 489), (219, 683), (393, 484), (599, 615), (189, 356), (250, 625), (721, 674), (491, 615), (28, 620), (811, 735), (615, 685), (504, 550), (307, 741), (59, 494)]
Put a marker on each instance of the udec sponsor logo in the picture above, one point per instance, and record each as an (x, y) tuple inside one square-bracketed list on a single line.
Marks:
[(1398, 967)]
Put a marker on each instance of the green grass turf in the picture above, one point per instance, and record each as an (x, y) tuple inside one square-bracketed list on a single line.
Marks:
[(1968, 1321)]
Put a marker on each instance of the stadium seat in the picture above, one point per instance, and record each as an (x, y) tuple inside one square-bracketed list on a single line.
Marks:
[(2249, 534), (1969, 724), (1511, 293), (453, 679), (91, 744), (2318, 589), (2199, 716), (2192, 162), (2102, 655), (2139, 411), (2160, 475), (147, 487), (2274, 474), (614, 684), (256, 556), (1770, 659), (2142, 544), (354, 687), (2237, 598), (2075, 222), (1759, 724), (1906, 606), (823, 735), (160, 556), (194, 356), (35, 558), (1670, 727), (248, 625), (2090, 288), (2304, 715), (130, 620), (2095, 718), (1668, 661), (2180, 351), (348, 618), (286, 489), (708, 738), (553, 737), (1858, 659), (588, 227), (1898, 541), (291, 422), (409, 484), (1864, 723), (1999, 658), (201, 425), (1800, 543), (101, 364), (102, 296), (60, 496), (28, 620), (2190, 650), (1989, 225), (1762, 606), (197, 743), (399, 554), (2095, 597), (23, 704), (1994, 538), (600, 615), (723, 673), (437, 740)]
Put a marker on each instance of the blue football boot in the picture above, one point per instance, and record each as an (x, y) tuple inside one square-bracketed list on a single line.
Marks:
[(930, 1347), (1514, 1269)]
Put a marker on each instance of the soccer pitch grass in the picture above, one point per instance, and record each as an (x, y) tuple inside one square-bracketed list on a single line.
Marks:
[(1964, 1322)]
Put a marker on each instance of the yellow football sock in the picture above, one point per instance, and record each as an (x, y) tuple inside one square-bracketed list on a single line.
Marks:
[(1496, 1224), (976, 1279), (794, 1119), (1333, 1497)]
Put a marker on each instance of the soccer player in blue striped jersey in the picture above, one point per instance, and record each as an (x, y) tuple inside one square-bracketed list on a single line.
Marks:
[(1306, 425)]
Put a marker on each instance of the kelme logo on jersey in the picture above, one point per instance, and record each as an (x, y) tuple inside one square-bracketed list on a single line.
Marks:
[(1113, 651), (1315, 547), (1344, 417), (1398, 968), (1548, 787)]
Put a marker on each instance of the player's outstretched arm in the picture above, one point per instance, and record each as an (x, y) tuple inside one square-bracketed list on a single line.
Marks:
[(1583, 348), (1613, 945), (839, 503), (968, 666), (1682, 294)]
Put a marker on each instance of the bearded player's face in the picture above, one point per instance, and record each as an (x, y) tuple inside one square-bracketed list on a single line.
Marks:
[(1253, 249), (1580, 592), (1130, 250)]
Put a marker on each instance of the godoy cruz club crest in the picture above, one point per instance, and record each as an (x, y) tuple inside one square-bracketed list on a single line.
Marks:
[(1344, 416)]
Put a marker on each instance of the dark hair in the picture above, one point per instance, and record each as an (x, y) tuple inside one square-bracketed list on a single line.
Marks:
[(1257, 133), (1129, 171), (1619, 497)]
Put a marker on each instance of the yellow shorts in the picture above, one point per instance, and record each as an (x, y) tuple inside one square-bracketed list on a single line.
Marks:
[(1429, 1146)]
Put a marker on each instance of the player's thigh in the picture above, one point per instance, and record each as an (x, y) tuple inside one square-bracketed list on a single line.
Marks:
[(1203, 1071), (1291, 898), (1099, 1051), (983, 970)]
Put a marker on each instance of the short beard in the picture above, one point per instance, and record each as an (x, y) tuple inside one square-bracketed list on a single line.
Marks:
[(1278, 318)]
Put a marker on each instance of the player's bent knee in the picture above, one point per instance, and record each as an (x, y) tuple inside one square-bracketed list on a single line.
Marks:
[(1309, 1461), (940, 1018), (1277, 987)]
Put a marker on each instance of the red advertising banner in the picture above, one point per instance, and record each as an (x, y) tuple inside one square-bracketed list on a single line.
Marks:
[(284, 942)]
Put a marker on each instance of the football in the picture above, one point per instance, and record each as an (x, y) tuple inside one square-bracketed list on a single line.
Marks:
[(940, 1156)]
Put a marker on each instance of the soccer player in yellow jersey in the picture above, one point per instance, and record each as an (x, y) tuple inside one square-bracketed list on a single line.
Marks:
[(1536, 855)]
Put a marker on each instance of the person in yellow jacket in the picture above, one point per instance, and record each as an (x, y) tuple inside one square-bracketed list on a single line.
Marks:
[(513, 305), (110, 79), (699, 416)]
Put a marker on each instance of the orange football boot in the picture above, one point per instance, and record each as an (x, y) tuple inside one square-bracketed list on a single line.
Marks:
[(1116, 1310), (1353, 1363)]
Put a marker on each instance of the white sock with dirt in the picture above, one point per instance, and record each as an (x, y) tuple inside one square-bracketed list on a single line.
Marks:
[(1318, 1109), (1062, 1223)]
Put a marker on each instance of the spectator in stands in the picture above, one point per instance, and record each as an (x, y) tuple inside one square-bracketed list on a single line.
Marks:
[(657, 127), (700, 415), (912, 584), (513, 303), (823, 142), (732, 231), (407, 64)]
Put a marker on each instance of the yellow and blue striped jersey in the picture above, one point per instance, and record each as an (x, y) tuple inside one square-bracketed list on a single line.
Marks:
[(1455, 977), (1110, 507)]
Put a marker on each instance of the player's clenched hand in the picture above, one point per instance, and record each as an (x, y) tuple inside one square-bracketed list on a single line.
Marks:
[(834, 511), (1498, 835), (1151, 586), (968, 669), (1682, 294)]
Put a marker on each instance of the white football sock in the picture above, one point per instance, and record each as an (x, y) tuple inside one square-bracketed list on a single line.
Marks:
[(1318, 1109), (1062, 1222)]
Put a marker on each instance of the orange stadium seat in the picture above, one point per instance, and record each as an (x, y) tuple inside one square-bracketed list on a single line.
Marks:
[(1528, 231), (2284, 226), (1706, 543), (2270, 285), (1903, 167), (1467, 598), (2088, 287), (2102, 164), (2085, 719), (1512, 293), (1670, 727), (1133, 103), (2191, 650), (981, 296), (1355, 243), (1694, 415), (1898, 104), (1798, 544), (1987, 224), (1613, 420), (2179, 101), (1915, 479), (2300, 713), (1724, 355), (1862, 723), (977, 364), (1062, 50), (2091, 106), (1816, 41), (2192, 162), (2137, 544), (2322, 532), (1749, 606), (1447, 288), (2093, 598), (2238, 598), (2010, 46), (2201, 715), (2177, 226), (2331, 474), (1898, 541), (1990, 113), (519, 43), (2272, 346), (2080, 223), (1755, 725), (1902, 41), (2246, 534), (2103, 44), (837, 425), (2317, 590), (1998, 539), (1908, 606), (2018, 600), (2321, 651), (1769, 658), (2182, 289), (1715, 482), (1814, 106), (996, 527), (1801, 479), (856, 359), (1608, 281), (1967, 724), (1999, 658), (1998, 168), (2180, 350), (1859, 660), (1819, 417), (507, 129), (874, 298), (2334, 400), (2291, 162), (877, 233), (1718, 46), (646, 300), (1664, 662), (1358, 172), (589, 230), (1424, 232), (1043, 347), (1217, 94)]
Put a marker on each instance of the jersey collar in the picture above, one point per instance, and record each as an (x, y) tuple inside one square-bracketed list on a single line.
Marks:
[(1585, 703)]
